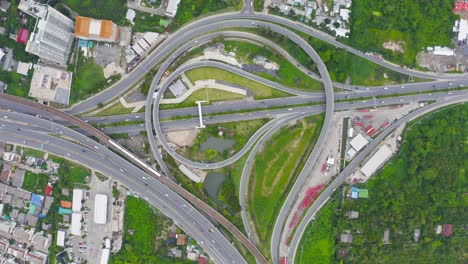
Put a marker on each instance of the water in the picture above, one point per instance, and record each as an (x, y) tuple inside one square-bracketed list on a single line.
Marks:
[(219, 144), (213, 182)]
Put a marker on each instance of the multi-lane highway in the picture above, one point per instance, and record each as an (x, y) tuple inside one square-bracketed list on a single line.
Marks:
[(37, 133), (355, 163)]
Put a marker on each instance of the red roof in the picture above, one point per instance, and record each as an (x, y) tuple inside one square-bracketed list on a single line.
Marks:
[(448, 229), (22, 36), (48, 190), (202, 260)]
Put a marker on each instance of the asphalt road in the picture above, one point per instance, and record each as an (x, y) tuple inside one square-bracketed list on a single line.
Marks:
[(355, 163), (198, 27), (36, 133), (161, 88)]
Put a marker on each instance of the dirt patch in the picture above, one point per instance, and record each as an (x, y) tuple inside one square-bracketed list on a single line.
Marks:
[(397, 46), (182, 138)]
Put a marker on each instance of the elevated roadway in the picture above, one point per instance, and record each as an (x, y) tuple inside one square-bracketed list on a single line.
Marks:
[(355, 163)]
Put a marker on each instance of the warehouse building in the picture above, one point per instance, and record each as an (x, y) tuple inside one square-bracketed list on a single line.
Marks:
[(377, 160), (100, 209), (94, 29), (52, 37), (358, 142), (77, 198), (75, 228)]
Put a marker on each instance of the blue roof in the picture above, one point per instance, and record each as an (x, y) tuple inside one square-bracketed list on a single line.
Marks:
[(82, 43), (37, 199), (63, 211), (355, 189)]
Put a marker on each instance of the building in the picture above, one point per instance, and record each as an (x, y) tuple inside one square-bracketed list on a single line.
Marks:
[(95, 29), (4, 5), (358, 142), (462, 29), (51, 84), (171, 8), (447, 230), (352, 214), (178, 88), (386, 236), (22, 36), (61, 238), (363, 193), (377, 160), (416, 234), (180, 240), (105, 256), (145, 43), (100, 209), (77, 198), (443, 51), (66, 204), (23, 68), (346, 238), (75, 228), (52, 37), (36, 257)]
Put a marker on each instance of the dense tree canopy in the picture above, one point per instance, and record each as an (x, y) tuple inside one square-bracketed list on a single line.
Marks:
[(419, 23)]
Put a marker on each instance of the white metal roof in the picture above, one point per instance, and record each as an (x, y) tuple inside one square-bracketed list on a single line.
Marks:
[(105, 256), (376, 160), (444, 51), (351, 152), (95, 27), (61, 238), (151, 37), (463, 29), (100, 209), (358, 142), (75, 228), (77, 197)]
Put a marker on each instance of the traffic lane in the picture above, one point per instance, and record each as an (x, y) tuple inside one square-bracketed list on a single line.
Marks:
[(74, 154), (352, 166)]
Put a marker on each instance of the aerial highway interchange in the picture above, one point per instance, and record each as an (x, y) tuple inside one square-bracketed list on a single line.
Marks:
[(27, 123)]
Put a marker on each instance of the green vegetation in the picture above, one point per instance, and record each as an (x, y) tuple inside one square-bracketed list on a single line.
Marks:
[(69, 172), (35, 182), (33, 152), (190, 9), (258, 5), (145, 22), (240, 132), (143, 235), (317, 246), (115, 109), (209, 95), (423, 186), (88, 80), (415, 24), (101, 9), (17, 84), (13, 25), (288, 74), (259, 90), (275, 170), (342, 66)]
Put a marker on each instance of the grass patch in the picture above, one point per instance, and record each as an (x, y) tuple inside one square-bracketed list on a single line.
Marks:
[(275, 169), (88, 80), (116, 109), (259, 90), (190, 9), (343, 66), (33, 152), (239, 132), (70, 172), (318, 242), (207, 94), (288, 74), (100, 9), (18, 84), (146, 224), (145, 22), (35, 182)]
